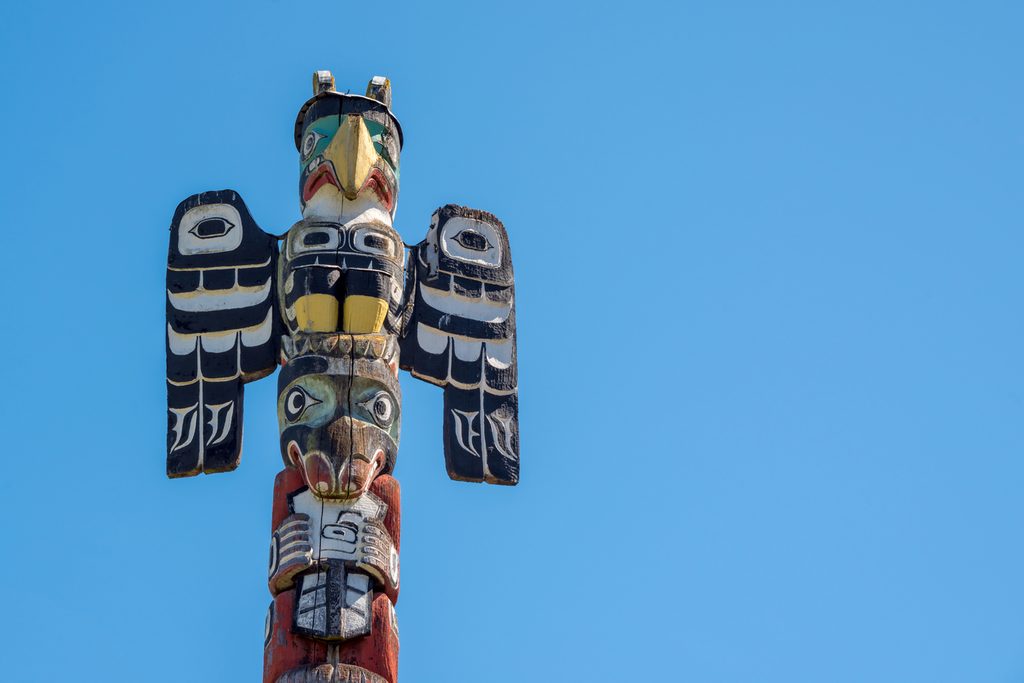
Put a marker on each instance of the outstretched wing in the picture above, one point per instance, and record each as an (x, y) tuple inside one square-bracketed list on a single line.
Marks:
[(222, 330), (462, 336)]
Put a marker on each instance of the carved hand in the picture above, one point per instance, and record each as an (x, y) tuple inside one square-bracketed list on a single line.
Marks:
[(290, 551), (376, 554)]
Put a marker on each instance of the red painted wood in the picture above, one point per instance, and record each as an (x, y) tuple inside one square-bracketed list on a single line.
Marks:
[(376, 652), (286, 651)]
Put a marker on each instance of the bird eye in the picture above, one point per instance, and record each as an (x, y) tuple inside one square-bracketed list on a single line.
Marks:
[(212, 227), (296, 403), (471, 239), (309, 142), (381, 407)]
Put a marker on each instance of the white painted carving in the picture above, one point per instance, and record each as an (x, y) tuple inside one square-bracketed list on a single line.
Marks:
[(297, 239), (202, 300), (220, 428), (474, 308), (501, 428), (312, 609), (184, 426), (360, 235), (338, 523), (257, 335), (431, 339), (190, 241), (454, 246), (219, 342), (464, 432), (467, 350), (181, 344), (356, 615)]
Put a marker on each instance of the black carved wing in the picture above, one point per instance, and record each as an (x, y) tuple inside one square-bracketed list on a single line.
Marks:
[(462, 336), (222, 328)]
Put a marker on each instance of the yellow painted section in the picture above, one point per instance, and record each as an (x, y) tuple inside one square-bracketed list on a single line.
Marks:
[(353, 154), (364, 314), (317, 313)]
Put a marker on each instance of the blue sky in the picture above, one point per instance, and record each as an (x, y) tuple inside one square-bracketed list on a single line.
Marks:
[(768, 263)]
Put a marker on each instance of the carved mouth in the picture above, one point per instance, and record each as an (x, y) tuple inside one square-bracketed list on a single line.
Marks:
[(323, 174)]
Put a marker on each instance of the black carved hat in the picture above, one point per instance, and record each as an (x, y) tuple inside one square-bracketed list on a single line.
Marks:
[(376, 104)]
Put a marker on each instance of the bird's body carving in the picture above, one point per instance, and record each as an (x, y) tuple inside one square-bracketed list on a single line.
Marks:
[(338, 304)]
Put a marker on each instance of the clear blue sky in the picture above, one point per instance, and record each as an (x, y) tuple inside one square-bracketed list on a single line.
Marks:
[(768, 263)]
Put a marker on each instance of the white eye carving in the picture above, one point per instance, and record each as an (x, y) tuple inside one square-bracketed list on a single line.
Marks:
[(471, 241), (371, 240), (381, 407), (209, 228), (309, 142), (296, 403)]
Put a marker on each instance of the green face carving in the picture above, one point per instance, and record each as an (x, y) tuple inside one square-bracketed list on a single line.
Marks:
[(339, 430), (319, 134), (316, 137), (348, 148)]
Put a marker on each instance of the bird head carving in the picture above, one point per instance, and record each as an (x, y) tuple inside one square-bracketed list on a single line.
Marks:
[(349, 147), (339, 411)]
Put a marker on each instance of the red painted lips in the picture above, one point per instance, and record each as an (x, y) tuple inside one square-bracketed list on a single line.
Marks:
[(379, 185), (323, 175)]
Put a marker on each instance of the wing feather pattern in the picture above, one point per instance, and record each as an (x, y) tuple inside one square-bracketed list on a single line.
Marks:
[(461, 335), (222, 330)]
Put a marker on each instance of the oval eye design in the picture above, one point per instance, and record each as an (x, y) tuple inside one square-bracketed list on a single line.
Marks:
[(381, 407), (309, 142), (212, 227), (296, 403), (471, 239)]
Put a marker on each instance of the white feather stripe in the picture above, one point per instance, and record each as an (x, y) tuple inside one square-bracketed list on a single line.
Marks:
[(468, 351), (431, 339), (259, 334), (180, 344), (480, 309), (219, 342), (203, 300), (435, 341)]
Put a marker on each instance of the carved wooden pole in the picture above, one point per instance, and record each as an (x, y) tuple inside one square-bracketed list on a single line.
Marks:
[(340, 307)]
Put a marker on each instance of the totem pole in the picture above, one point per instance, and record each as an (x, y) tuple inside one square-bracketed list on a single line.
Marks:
[(340, 307)]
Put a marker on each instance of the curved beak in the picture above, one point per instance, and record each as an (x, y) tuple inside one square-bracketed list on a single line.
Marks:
[(353, 155)]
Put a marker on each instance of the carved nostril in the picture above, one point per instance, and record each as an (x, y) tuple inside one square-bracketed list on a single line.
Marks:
[(378, 462), (294, 454), (318, 473)]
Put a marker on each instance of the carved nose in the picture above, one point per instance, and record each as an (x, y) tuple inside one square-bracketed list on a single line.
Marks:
[(351, 468), (352, 153), (341, 435)]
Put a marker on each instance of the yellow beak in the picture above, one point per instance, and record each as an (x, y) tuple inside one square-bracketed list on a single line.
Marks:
[(353, 154)]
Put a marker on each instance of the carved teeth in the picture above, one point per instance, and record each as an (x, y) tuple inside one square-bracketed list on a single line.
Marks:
[(362, 346)]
